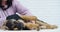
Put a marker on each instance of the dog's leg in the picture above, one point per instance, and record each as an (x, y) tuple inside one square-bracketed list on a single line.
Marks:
[(32, 26), (45, 25)]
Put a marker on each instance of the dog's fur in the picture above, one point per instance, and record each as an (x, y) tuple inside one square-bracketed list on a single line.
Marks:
[(42, 24), (28, 23)]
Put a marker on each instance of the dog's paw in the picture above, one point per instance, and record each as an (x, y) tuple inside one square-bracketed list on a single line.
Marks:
[(51, 26)]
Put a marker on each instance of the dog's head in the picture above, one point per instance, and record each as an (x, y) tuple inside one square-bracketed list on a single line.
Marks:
[(14, 22)]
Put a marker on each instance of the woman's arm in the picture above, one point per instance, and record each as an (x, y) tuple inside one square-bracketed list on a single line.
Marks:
[(2, 20), (21, 9)]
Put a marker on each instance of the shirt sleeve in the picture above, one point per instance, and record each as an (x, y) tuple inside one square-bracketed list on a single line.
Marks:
[(2, 20), (21, 9)]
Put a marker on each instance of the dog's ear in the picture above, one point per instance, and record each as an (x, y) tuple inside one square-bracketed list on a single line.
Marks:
[(14, 16)]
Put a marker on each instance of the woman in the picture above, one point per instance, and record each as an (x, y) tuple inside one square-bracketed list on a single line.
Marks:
[(10, 7)]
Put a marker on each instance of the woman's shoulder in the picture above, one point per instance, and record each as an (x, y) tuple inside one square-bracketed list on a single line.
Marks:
[(16, 2)]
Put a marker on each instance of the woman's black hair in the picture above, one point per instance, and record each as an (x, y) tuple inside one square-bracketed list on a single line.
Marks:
[(9, 3)]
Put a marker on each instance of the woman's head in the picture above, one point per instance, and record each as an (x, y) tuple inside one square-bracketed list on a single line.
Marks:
[(5, 2)]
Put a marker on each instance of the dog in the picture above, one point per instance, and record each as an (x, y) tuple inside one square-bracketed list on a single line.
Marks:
[(15, 22), (26, 23)]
